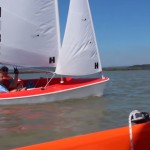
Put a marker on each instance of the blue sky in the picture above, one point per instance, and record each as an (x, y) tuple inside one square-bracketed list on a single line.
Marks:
[(122, 29)]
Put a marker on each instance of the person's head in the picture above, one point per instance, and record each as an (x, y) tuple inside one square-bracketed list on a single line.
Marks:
[(1, 76), (5, 70)]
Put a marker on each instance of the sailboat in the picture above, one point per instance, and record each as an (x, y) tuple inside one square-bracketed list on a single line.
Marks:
[(30, 37)]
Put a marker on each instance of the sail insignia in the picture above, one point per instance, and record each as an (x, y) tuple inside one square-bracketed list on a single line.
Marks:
[(52, 60), (96, 65)]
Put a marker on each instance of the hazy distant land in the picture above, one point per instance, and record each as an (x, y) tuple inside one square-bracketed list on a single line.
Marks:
[(134, 67), (121, 68)]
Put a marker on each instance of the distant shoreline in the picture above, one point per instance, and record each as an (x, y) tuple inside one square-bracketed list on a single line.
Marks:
[(134, 67), (122, 68)]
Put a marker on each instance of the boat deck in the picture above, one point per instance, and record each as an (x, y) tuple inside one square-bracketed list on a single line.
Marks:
[(53, 87)]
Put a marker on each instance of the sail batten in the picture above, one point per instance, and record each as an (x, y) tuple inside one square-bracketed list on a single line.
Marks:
[(29, 32), (79, 54)]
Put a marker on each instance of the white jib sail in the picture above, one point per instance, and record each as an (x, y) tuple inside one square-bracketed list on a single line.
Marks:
[(29, 32), (79, 54)]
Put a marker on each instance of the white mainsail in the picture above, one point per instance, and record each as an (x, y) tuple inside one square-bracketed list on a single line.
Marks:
[(29, 32), (79, 53)]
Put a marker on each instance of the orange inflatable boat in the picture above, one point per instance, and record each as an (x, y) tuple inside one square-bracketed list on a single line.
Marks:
[(115, 139)]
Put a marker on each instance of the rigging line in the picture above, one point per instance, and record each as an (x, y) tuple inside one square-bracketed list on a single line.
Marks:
[(130, 131), (50, 80)]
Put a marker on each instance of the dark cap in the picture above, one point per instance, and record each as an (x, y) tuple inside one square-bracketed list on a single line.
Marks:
[(4, 68)]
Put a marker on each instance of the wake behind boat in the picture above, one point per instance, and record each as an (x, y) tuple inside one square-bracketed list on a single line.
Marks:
[(30, 37)]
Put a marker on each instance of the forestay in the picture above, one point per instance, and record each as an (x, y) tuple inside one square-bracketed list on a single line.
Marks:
[(79, 53), (29, 32)]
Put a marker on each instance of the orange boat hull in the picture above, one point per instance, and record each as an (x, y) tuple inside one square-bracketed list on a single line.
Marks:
[(115, 139)]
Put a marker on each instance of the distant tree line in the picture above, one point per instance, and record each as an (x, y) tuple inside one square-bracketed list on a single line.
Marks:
[(134, 67)]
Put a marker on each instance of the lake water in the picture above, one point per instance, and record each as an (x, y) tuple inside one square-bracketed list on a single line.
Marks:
[(22, 125)]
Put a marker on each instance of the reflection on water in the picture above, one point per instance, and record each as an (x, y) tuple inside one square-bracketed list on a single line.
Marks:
[(33, 123), (22, 125)]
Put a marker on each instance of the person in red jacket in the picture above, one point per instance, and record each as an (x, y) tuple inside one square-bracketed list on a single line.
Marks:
[(3, 89), (10, 82)]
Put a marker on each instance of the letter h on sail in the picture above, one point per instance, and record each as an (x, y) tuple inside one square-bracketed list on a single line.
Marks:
[(52, 60), (96, 65)]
